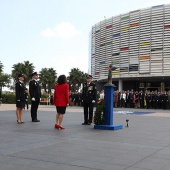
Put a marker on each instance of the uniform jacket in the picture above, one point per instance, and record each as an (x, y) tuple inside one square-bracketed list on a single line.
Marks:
[(61, 95), (20, 91), (34, 90), (141, 96), (89, 92)]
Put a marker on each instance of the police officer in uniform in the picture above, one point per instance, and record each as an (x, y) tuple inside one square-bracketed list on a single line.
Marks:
[(164, 100), (35, 95), (20, 98), (89, 97)]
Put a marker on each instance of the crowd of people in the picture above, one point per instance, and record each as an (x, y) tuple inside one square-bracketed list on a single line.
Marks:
[(87, 98), (60, 98), (141, 99), (130, 99)]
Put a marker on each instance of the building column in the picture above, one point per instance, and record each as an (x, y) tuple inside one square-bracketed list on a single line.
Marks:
[(162, 86), (120, 85)]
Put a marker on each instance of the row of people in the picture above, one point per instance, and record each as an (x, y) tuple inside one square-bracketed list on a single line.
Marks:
[(61, 98), (22, 97), (147, 99)]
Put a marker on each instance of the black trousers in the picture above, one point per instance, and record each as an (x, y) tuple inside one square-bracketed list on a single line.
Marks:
[(88, 112), (141, 103), (34, 108)]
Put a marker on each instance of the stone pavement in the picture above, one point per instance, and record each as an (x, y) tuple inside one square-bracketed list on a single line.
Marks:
[(144, 145)]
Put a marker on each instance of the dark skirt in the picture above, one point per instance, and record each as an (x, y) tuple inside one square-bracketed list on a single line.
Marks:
[(61, 109), (20, 104)]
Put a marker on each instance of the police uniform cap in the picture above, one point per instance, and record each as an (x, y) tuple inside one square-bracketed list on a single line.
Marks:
[(20, 75), (89, 76), (33, 74)]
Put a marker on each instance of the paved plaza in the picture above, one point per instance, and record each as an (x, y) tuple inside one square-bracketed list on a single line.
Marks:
[(144, 145)]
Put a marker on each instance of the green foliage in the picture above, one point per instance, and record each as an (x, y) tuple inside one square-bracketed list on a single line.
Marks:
[(25, 68), (44, 95), (99, 113), (4, 79), (1, 67), (76, 78), (48, 78), (8, 98)]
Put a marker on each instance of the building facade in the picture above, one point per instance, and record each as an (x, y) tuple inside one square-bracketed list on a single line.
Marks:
[(138, 44)]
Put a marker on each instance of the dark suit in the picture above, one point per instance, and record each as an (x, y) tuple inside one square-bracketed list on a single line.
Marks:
[(88, 95), (164, 101), (148, 101), (141, 99), (127, 100), (20, 94), (35, 92), (131, 99)]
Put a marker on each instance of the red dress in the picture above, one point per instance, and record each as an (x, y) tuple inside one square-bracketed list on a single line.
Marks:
[(61, 95)]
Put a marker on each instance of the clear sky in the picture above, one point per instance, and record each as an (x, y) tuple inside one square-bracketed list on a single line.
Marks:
[(55, 33)]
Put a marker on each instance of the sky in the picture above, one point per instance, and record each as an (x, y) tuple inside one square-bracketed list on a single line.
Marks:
[(55, 33)]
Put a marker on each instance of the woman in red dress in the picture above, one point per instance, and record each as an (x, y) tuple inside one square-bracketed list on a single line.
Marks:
[(61, 100)]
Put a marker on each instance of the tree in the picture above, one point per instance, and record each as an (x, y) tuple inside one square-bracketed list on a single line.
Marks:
[(48, 78), (76, 78), (25, 68), (4, 79)]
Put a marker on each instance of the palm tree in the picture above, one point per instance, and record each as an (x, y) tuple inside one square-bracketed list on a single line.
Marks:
[(76, 78), (48, 78), (1, 67), (25, 68), (4, 78)]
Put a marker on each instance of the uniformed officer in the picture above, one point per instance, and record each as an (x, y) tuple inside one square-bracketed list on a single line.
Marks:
[(141, 99), (20, 98), (164, 100), (148, 100), (89, 97), (35, 95)]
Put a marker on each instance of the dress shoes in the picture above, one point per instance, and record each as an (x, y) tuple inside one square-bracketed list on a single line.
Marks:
[(84, 123), (62, 128), (58, 127), (36, 120)]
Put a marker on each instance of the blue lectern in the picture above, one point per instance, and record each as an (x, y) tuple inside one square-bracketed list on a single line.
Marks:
[(108, 116)]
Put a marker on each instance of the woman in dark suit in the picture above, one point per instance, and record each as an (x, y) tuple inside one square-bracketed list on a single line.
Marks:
[(61, 100), (20, 98)]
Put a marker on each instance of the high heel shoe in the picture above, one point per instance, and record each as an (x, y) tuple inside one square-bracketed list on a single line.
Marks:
[(19, 122), (56, 126), (61, 127)]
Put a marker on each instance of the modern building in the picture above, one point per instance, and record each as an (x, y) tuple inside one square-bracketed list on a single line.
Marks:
[(138, 44)]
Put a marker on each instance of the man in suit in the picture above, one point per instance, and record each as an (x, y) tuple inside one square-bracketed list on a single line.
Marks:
[(35, 95), (127, 99), (141, 99), (164, 100), (89, 97), (131, 98)]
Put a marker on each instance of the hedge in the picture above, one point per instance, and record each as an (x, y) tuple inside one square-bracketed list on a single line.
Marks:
[(9, 98)]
